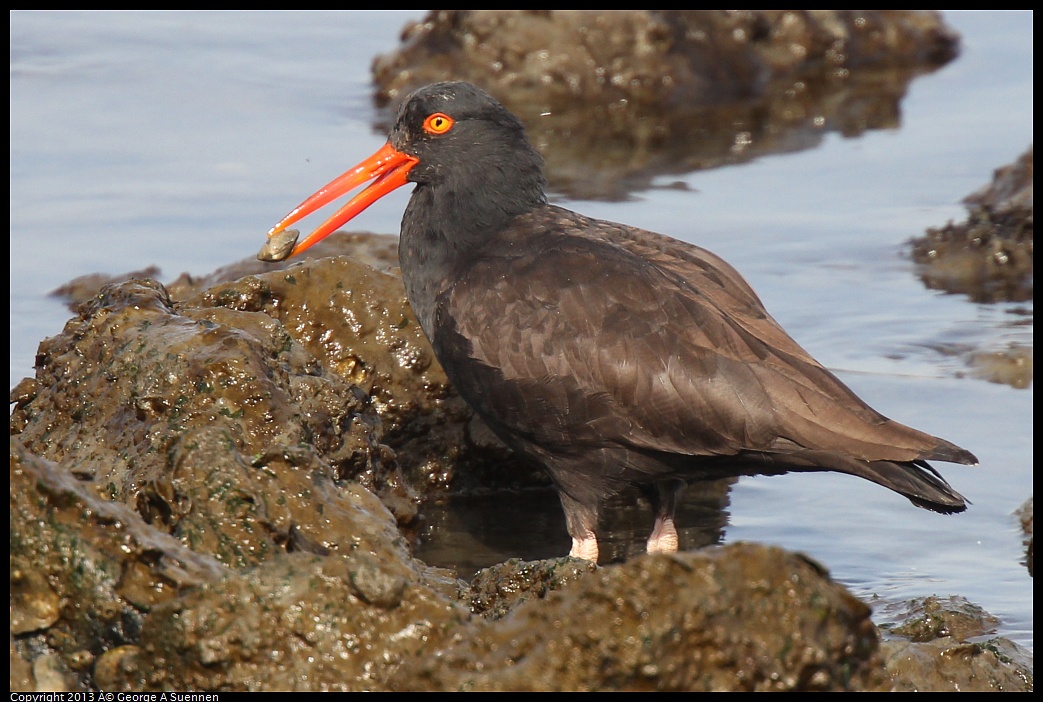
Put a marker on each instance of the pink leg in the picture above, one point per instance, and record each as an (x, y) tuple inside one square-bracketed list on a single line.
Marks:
[(585, 548), (581, 520), (664, 536), (664, 502)]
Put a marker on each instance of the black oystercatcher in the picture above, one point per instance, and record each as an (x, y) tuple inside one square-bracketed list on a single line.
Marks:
[(610, 355)]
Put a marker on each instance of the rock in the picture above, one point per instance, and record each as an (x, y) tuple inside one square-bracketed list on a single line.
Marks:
[(988, 257), (498, 589), (34, 605), (1025, 517), (997, 665), (938, 643), (613, 99), (207, 492), (930, 618), (294, 624), (740, 617)]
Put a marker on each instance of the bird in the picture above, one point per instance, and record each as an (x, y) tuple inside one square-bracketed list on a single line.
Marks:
[(611, 356)]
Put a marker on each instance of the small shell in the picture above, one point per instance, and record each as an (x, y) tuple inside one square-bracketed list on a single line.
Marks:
[(279, 246)]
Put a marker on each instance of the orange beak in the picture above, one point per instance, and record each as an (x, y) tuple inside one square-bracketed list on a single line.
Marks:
[(388, 166)]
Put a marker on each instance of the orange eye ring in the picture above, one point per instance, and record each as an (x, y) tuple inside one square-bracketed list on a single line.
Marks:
[(438, 123)]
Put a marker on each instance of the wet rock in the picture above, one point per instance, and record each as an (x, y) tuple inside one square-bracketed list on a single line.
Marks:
[(207, 492), (1025, 517), (101, 552), (378, 251), (654, 56), (115, 669), (989, 256), (34, 605), (193, 416), (932, 618), (21, 671), (296, 623), (614, 98), (938, 643), (79, 290), (997, 665), (97, 565), (691, 621), (51, 675), (374, 585), (183, 437), (496, 590), (356, 322)]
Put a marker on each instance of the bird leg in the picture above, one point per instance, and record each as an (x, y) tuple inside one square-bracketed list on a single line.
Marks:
[(581, 521), (585, 548), (664, 536), (664, 502)]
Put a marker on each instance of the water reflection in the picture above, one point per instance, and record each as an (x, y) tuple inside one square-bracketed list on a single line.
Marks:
[(470, 532)]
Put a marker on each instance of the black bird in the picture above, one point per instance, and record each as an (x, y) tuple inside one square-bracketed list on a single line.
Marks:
[(610, 355)]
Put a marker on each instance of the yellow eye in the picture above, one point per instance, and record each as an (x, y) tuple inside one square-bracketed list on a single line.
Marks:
[(438, 123)]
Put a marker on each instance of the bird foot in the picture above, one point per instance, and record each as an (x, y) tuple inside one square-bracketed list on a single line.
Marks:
[(585, 548), (664, 537)]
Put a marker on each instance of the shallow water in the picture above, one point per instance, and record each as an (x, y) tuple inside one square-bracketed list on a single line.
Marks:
[(178, 138)]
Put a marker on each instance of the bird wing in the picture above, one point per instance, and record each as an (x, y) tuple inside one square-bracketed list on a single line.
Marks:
[(612, 335)]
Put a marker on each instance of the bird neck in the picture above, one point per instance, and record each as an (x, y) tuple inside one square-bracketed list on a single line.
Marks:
[(444, 228)]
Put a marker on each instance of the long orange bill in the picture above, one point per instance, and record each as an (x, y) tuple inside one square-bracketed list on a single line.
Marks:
[(388, 165)]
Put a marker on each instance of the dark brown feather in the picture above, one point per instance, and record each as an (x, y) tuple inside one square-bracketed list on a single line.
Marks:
[(612, 355)]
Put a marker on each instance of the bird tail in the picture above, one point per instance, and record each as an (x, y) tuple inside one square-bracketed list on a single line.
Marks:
[(918, 481)]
